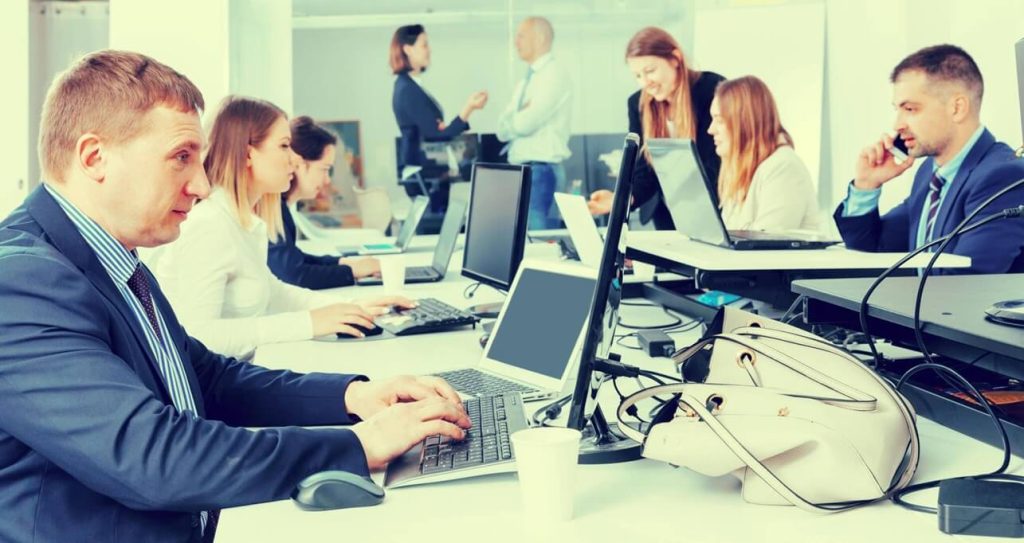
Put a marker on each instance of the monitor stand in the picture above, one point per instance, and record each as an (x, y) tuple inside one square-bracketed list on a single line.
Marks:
[(486, 311), (602, 443)]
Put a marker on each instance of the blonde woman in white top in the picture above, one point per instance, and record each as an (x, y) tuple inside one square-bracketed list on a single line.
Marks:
[(763, 184), (215, 274)]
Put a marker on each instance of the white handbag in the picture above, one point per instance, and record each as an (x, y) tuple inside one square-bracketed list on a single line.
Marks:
[(796, 419)]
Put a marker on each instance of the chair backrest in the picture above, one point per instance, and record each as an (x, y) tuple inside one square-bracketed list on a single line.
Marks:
[(374, 208)]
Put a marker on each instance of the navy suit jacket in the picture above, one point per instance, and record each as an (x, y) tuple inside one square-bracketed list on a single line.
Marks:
[(646, 189), (293, 266), (417, 115), (993, 248), (91, 447)]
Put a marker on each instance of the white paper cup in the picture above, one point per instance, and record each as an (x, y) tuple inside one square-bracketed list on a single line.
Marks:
[(392, 273), (546, 459)]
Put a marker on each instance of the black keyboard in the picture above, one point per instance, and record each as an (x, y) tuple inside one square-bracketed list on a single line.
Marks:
[(494, 419), (429, 315), (474, 382)]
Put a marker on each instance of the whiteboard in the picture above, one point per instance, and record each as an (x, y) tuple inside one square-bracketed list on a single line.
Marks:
[(784, 46)]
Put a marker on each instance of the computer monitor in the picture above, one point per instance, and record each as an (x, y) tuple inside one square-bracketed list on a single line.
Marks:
[(601, 443), (496, 226), (1020, 83)]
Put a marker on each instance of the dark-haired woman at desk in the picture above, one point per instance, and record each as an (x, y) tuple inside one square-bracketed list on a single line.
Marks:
[(316, 148), (674, 101), (419, 116)]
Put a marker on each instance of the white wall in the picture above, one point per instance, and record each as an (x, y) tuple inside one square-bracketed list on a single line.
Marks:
[(261, 50), (14, 148)]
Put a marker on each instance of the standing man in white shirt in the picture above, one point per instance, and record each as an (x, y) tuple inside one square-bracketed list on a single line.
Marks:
[(536, 122)]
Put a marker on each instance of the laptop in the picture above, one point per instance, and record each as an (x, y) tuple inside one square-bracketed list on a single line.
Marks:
[(692, 206), (405, 233), (537, 334), (446, 241), (582, 230)]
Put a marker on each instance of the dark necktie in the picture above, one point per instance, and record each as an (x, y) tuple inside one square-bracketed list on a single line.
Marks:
[(140, 288), (934, 195)]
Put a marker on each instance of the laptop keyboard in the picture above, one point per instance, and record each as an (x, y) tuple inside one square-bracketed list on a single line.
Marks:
[(430, 315), (474, 382), (494, 418), (419, 271)]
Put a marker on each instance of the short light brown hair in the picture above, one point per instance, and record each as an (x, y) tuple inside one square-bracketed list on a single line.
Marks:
[(241, 122), (106, 93), (945, 63), (405, 35)]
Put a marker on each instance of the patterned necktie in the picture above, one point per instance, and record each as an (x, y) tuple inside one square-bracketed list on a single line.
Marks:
[(934, 195), (139, 286)]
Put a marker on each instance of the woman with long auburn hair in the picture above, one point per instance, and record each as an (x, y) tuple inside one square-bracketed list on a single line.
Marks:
[(674, 101), (763, 184), (216, 275)]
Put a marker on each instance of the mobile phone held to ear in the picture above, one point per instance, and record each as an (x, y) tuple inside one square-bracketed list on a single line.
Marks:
[(899, 149)]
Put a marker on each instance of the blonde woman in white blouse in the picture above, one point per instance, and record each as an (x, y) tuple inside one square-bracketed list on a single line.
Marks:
[(763, 184), (216, 275)]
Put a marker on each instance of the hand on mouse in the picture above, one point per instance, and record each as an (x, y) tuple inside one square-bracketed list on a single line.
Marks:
[(365, 399), (336, 318), (391, 432)]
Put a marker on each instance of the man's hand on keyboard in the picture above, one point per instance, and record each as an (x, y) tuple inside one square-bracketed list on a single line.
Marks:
[(392, 431), (365, 399)]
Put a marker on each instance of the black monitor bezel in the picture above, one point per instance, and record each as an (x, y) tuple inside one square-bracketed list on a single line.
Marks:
[(610, 269), (519, 241)]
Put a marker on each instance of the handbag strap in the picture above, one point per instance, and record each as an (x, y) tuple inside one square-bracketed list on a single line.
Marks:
[(730, 441), (815, 342), (851, 398)]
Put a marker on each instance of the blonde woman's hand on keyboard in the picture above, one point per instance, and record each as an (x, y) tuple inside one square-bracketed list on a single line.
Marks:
[(393, 431), (379, 306), (339, 318)]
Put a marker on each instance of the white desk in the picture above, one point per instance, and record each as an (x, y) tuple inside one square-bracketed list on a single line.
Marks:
[(676, 247), (643, 501)]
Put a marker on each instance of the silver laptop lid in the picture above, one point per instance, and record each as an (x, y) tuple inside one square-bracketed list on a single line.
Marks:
[(582, 229), (540, 328), (412, 221), (683, 183), (453, 219)]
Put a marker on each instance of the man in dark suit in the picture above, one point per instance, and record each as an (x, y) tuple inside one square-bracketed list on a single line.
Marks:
[(115, 425), (937, 93)]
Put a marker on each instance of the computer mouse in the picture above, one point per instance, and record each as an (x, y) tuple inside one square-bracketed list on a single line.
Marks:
[(367, 332), (336, 490), (484, 338)]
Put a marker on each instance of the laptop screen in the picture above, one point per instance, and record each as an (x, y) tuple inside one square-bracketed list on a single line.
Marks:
[(542, 321), (686, 192)]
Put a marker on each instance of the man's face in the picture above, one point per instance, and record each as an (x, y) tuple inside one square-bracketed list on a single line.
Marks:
[(151, 181), (525, 41), (924, 113)]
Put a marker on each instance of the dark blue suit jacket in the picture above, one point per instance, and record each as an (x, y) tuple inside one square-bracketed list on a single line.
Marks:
[(417, 115), (91, 448), (993, 248), (293, 266)]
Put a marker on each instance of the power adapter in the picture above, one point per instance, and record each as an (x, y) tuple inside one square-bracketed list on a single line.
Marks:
[(979, 507), (656, 343)]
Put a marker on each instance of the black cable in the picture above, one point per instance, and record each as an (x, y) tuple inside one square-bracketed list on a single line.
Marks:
[(470, 290), (1007, 213), (550, 411), (863, 314), (999, 473)]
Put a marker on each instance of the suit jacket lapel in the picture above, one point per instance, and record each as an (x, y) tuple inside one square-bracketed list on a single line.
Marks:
[(919, 192), (981, 147), (66, 238)]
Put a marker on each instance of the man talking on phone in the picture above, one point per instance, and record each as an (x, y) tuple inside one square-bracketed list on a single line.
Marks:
[(937, 94)]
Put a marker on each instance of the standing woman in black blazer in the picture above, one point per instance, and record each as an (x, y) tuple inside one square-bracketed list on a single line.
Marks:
[(419, 116), (674, 101), (316, 148)]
